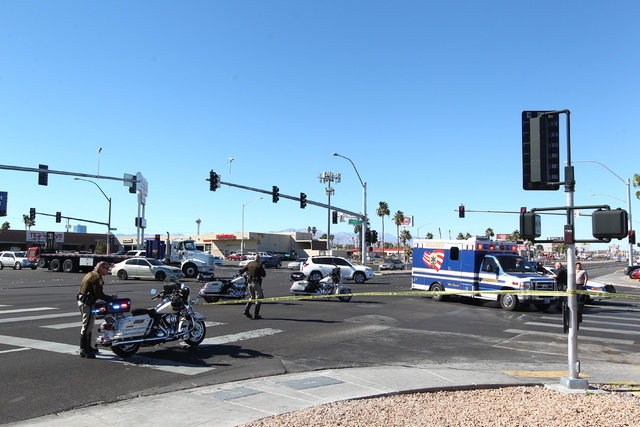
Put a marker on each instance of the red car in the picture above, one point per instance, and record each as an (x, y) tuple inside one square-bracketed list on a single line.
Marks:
[(635, 274), (236, 257)]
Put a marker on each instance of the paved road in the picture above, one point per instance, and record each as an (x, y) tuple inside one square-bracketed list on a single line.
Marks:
[(42, 373)]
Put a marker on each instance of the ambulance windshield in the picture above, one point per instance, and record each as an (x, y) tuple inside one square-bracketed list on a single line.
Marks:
[(515, 264)]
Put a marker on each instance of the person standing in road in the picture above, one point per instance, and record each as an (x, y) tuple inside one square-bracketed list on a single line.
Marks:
[(582, 277), (90, 292), (561, 279), (255, 272)]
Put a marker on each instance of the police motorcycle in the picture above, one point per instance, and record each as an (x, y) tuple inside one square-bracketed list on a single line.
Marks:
[(331, 284), (215, 289), (172, 319)]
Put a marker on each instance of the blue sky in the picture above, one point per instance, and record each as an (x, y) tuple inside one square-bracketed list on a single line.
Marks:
[(425, 98)]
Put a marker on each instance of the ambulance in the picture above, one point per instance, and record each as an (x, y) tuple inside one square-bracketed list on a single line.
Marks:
[(478, 264)]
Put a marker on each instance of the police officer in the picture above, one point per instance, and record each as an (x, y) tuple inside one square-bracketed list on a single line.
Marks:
[(90, 292), (255, 272)]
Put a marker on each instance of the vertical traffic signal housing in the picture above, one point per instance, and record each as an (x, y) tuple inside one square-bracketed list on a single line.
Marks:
[(632, 237), (214, 181), (540, 151), (303, 200), (275, 194), (32, 213), (461, 211), (58, 216), (334, 217), (43, 177)]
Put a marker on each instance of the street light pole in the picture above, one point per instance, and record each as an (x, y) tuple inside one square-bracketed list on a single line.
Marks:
[(242, 234), (109, 220), (364, 209), (628, 184), (329, 191)]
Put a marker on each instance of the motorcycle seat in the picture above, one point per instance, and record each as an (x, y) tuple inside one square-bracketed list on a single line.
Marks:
[(140, 311)]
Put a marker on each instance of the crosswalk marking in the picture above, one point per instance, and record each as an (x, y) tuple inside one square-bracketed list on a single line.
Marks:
[(581, 338), (587, 328), (63, 325), (40, 317), (23, 310), (256, 333)]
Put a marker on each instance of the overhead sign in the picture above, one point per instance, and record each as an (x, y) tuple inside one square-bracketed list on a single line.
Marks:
[(355, 221), (3, 203), (41, 236), (407, 221)]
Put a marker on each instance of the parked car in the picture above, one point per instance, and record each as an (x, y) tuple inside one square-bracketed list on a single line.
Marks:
[(392, 264), (15, 260), (316, 267), (595, 286), (630, 268), (266, 261), (217, 260), (145, 268), (236, 257), (247, 260), (136, 253), (635, 274), (295, 265)]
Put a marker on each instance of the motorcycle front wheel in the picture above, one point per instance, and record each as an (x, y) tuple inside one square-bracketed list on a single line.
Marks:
[(345, 295), (126, 350), (197, 333)]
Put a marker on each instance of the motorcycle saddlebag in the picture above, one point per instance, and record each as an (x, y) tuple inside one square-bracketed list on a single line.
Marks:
[(120, 305), (133, 326), (299, 286)]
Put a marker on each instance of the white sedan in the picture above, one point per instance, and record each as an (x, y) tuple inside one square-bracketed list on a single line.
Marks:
[(145, 268)]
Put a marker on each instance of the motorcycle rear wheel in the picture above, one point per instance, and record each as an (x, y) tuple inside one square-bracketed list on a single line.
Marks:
[(126, 350), (197, 334)]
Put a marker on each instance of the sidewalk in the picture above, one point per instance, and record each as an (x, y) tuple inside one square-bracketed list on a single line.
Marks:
[(241, 402)]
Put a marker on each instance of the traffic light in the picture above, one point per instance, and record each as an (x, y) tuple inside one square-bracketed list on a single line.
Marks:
[(214, 181), (303, 200), (530, 225), (58, 216), (43, 177), (367, 237), (610, 224), (275, 194), (112, 239), (134, 186), (374, 236), (632, 237), (461, 211), (32, 214), (334, 217), (157, 237), (540, 151)]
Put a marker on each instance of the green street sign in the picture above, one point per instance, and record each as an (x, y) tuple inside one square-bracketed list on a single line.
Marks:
[(112, 229), (355, 221)]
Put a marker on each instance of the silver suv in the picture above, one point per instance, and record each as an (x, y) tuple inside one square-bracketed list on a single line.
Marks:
[(15, 260), (316, 267)]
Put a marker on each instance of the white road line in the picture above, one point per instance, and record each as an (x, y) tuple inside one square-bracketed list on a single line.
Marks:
[(225, 339), (24, 310), (587, 328), (63, 325), (580, 338), (41, 317)]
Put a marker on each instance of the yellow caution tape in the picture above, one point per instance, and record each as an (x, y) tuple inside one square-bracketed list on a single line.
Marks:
[(432, 293)]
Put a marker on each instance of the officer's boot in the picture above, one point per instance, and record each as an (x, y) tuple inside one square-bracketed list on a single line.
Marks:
[(246, 310), (256, 315), (90, 348), (83, 348)]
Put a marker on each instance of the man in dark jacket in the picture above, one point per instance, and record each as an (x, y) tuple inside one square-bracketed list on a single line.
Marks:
[(255, 272), (90, 292)]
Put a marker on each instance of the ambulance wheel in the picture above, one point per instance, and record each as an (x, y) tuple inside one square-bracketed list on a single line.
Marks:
[(543, 306), (126, 350), (437, 287), (509, 302)]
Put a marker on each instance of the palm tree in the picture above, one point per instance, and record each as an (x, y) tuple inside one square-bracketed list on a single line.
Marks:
[(383, 209), (28, 222), (405, 235), (398, 219), (514, 237), (636, 183), (429, 236), (489, 233)]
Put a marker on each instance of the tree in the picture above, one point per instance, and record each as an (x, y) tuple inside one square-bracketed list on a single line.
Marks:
[(514, 237), (398, 219), (489, 233), (383, 209), (28, 222), (460, 236), (429, 236), (636, 183), (5, 226), (405, 236)]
